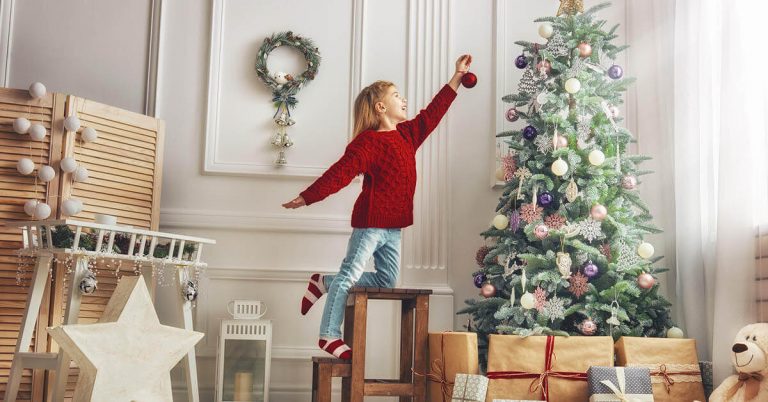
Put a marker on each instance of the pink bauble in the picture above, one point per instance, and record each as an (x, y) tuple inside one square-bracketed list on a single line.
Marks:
[(598, 212), (488, 290), (562, 141), (512, 115), (585, 49), (646, 280), (588, 327), (541, 231), (544, 67), (629, 182)]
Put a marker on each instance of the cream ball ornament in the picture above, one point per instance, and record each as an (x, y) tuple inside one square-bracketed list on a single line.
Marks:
[(500, 222), (29, 207), (42, 210), (68, 164), (573, 85), (596, 157), (499, 174), (25, 166), (527, 301), (37, 90), (37, 132), (645, 250), (46, 174), (71, 206), (559, 167), (546, 30), (80, 174), (89, 134), (72, 123), (21, 125), (675, 332)]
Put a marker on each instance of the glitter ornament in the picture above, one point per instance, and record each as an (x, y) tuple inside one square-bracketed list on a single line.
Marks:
[(646, 280), (564, 263), (469, 80), (514, 221), (615, 72), (508, 167), (588, 327), (598, 212), (530, 132), (544, 67), (555, 221), (530, 213), (529, 83), (628, 182), (605, 250), (573, 85), (500, 222), (585, 49), (545, 198), (559, 167), (521, 61), (590, 269), (557, 46), (546, 30), (482, 252), (590, 229), (544, 144), (512, 115), (596, 157), (479, 279), (527, 301), (578, 284), (555, 309), (488, 290), (540, 298), (675, 332), (541, 231), (645, 250)]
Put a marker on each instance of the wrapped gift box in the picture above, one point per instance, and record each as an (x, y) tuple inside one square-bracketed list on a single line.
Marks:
[(450, 353), (674, 365), (544, 367), (619, 384), (707, 376), (469, 388)]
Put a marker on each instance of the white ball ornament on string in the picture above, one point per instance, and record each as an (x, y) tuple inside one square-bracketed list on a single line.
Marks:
[(71, 206), (42, 210), (46, 174), (80, 174), (573, 85), (37, 90), (559, 167), (68, 164), (72, 123), (527, 301), (596, 157), (37, 132), (500, 222), (546, 30), (675, 332), (21, 125), (645, 250), (89, 134), (25, 166), (29, 207)]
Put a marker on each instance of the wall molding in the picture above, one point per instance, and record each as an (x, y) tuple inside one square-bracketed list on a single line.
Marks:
[(154, 58), (6, 36), (256, 222), (212, 163)]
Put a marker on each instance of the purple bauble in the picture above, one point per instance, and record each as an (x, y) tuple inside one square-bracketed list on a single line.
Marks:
[(590, 269), (545, 199), (479, 279), (512, 115), (529, 133), (615, 71), (521, 61)]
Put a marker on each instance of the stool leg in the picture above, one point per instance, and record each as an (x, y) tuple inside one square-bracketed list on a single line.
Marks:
[(349, 318), (314, 382), (421, 343), (358, 347), (406, 345), (324, 379)]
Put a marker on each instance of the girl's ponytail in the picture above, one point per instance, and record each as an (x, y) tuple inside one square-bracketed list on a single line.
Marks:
[(365, 113)]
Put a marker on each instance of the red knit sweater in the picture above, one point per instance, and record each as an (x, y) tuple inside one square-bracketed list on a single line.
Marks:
[(387, 159)]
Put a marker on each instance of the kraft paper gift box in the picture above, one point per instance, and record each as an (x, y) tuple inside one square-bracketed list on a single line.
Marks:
[(544, 367), (450, 353), (469, 388), (674, 366), (619, 384)]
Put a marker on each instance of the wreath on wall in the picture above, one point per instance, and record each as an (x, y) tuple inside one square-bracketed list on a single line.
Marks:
[(285, 86)]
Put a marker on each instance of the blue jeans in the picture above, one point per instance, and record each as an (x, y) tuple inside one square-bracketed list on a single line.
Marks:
[(384, 246)]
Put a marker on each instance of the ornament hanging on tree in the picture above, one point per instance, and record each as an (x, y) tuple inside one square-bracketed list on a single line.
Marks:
[(530, 213), (590, 229), (557, 46), (545, 198), (546, 30), (613, 320), (522, 174), (598, 212), (585, 49), (469, 80), (514, 221), (675, 332), (529, 83), (554, 309), (527, 301), (479, 279), (578, 284), (521, 61), (646, 280), (628, 182), (530, 132), (559, 167), (588, 327), (573, 85), (488, 290), (627, 258), (500, 222), (572, 191), (508, 166), (555, 221), (564, 263), (615, 72), (541, 231), (596, 157), (544, 144), (540, 298), (590, 269), (645, 250), (561, 141), (570, 7), (544, 68), (605, 250), (512, 115), (482, 252)]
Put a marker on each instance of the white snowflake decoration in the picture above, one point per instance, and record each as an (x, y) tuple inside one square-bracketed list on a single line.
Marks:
[(544, 144), (554, 309), (590, 229)]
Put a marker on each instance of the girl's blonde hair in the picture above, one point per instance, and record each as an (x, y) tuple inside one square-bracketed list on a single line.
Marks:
[(365, 113)]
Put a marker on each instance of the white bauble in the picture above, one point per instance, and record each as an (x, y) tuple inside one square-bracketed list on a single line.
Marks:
[(71, 207), (37, 132), (542, 98), (68, 164), (42, 210), (80, 174), (675, 332), (72, 123), (546, 30), (573, 85), (645, 250), (46, 174), (29, 207), (500, 222), (527, 301), (21, 125), (89, 134), (25, 166), (37, 90), (559, 167), (596, 157)]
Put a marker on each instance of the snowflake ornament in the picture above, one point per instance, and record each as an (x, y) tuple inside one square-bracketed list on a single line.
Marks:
[(579, 284), (555, 221), (544, 144), (530, 213), (590, 229), (539, 299), (555, 308)]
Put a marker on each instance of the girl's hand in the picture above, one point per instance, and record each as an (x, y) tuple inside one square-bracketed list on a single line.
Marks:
[(462, 64), (295, 203)]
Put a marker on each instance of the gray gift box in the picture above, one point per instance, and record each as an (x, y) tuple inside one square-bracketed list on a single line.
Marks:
[(469, 388), (706, 377), (611, 384)]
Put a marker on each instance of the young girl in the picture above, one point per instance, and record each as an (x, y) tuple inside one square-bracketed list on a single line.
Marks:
[(384, 150)]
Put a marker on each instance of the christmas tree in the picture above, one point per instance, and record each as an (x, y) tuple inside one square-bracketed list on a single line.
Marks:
[(565, 253)]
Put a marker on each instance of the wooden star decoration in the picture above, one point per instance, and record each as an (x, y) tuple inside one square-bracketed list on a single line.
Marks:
[(570, 7), (128, 354)]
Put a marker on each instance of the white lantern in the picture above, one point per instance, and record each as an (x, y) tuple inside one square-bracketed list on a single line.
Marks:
[(645, 250), (25, 166), (243, 360), (72, 123), (573, 85), (68, 164), (596, 157), (37, 132), (500, 222), (89, 134), (29, 207), (37, 90), (546, 30), (21, 125), (559, 167), (42, 211), (46, 174), (80, 174)]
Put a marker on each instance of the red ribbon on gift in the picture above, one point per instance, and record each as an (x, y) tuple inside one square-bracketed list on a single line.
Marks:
[(540, 380)]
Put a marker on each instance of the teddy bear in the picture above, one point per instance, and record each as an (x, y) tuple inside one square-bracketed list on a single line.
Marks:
[(750, 358)]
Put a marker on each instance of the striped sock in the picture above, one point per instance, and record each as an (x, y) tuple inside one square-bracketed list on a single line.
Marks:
[(336, 347), (315, 289)]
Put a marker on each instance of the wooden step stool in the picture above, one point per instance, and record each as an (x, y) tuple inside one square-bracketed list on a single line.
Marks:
[(413, 344), (323, 371)]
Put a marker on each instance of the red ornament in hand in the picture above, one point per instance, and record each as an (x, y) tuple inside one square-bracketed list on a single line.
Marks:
[(469, 80)]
